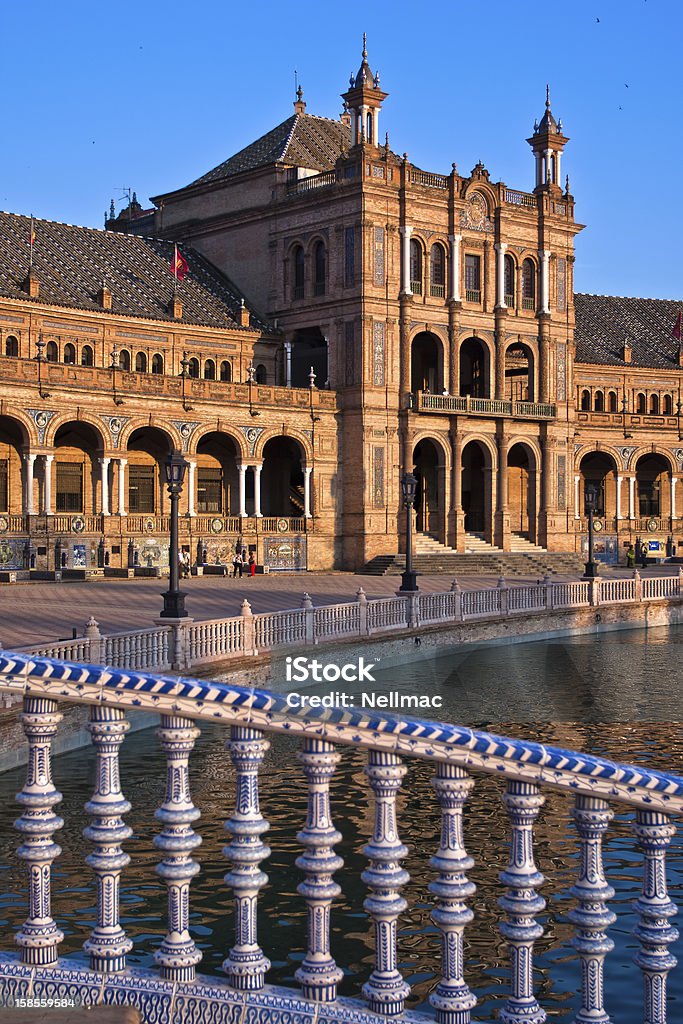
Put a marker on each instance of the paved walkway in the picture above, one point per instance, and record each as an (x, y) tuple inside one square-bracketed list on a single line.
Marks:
[(35, 612)]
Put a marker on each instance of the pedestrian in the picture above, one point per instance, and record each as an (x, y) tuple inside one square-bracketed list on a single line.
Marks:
[(643, 554), (252, 565), (631, 557), (237, 565)]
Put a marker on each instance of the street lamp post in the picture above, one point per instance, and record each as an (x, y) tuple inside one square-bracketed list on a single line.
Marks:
[(590, 498), (409, 577), (174, 600)]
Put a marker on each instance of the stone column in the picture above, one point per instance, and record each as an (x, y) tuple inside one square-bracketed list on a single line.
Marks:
[(455, 268), (307, 492), (191, 487), (406, 232), (104, 485), (577, 486), (631, 497), (673, 481), (500, 248), (546, 165), (558, 168), (47, 495), (257, 490), (122, 487), (242, 469), (539, 170), (502, 525), (29, 460), (288, 364), (545, 280), (618, 510)]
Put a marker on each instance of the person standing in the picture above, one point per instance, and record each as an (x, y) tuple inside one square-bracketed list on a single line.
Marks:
[(630, 557), (252, 565), (643, 553), (237, 565)]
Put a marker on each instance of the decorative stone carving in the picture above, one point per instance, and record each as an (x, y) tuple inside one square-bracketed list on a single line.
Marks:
[(41, 418), (177, 954), (186, 430), (319, 974), (626, 453), (39, 936), (115, 425), (246, 965), (252, 435)]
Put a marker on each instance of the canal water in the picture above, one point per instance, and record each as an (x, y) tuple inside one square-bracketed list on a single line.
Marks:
[(614, 694)]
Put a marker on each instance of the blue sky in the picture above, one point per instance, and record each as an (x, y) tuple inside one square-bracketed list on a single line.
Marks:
[(103, 96)]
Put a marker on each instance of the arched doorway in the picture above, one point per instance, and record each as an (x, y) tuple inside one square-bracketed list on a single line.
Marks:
[(474, 369), (282, 490), (148, 448), (519, 374), (476, 489), (426, 364), (428, 467), (217, 476), (599, 469), (13, 439), (653, 495), (521, 485), (77, 446)]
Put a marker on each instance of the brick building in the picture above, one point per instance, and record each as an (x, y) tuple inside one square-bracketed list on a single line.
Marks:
[(406, 318)]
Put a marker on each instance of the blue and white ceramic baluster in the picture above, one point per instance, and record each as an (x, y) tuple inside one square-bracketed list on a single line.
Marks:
[(592, 917), (246, 965), (108, 943), (385, 990), (39, 936), (177, 955), (654, 931), (452, 999), (521, 903), (319, 974)]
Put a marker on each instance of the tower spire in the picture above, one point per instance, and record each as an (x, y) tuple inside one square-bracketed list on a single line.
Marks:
[(547, 143), (364, 99)]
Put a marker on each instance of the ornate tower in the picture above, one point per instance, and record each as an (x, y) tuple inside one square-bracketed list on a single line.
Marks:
[(547, 144), (364, 99)]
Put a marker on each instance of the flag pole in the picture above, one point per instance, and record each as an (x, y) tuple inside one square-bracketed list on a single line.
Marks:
[(175, 267), (30, 247)]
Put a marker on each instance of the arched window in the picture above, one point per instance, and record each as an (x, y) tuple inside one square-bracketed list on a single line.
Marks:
[(599, 401), (641, 407), (124, 360), (415, 267), (52, 352), (141, 363), (612, 401), (11, 346), (87, 357), (157, 363), (193, 368), (320, 268), (668, 407), (209, 370), (585, 401), (226, 371), (69, 353), (437, 271), (298, 272), (368, 134), (509, 281), (261, 374), (528, 284), (654, 405)]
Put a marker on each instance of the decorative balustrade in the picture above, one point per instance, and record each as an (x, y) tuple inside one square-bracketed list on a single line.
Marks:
[(461, 757), (189, 643), (525, 199), (483, 406), (314, 181), (428, 179)]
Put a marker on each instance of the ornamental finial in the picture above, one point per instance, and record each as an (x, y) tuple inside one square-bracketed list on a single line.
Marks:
[(547, 97), (365, 46)]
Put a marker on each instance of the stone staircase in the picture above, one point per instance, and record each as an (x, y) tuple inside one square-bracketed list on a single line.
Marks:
[(479, 559)]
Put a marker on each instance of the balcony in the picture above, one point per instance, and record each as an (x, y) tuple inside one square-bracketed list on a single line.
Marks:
[(473, 294), (468, 406)]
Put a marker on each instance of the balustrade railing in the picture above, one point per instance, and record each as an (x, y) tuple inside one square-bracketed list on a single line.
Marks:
[(516, 198), (484, 406), (428, 179), (593, 787)]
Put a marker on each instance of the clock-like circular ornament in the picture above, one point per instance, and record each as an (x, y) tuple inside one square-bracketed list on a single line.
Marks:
[(476, 210), (598, 525), (652, 526)]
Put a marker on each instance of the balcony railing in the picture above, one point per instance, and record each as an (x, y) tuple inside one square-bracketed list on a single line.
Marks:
[(423, 402), (315, 181), (416, 287), (428, 179), (528, 303), (526, 199), (473, 294), (438, 291)]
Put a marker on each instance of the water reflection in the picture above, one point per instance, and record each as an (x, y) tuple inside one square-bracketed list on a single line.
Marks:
[(591, 694)]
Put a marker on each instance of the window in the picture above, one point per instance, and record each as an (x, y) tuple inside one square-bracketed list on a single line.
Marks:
[(437, 271), (124, 360), (261, 374), (193, 368), (585, 401), (69, 487), (668, 407), (641, 407), (69, 353), (528, 284), (472, 278), (209, 490), (298, 273), (141, 363), (369, 129), (4, 485), (87, 357), (509, 281), (612, 401), (157, 363), (209, 370), (599, 401), (52, 352), (320, 268), (654, 405), (11, 346), (141, 488), (415, 267), (350, 257), (226, 371)]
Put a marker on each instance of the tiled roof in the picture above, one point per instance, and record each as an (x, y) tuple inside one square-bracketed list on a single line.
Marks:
[(303, 140), (72, 262), (604, 323)]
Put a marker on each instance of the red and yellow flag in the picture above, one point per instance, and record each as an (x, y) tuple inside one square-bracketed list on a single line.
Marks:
[(179, 266), (677, 332)]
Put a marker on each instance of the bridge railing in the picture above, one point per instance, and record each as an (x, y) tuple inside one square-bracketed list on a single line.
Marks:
[(184, 644), (460, 757)]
